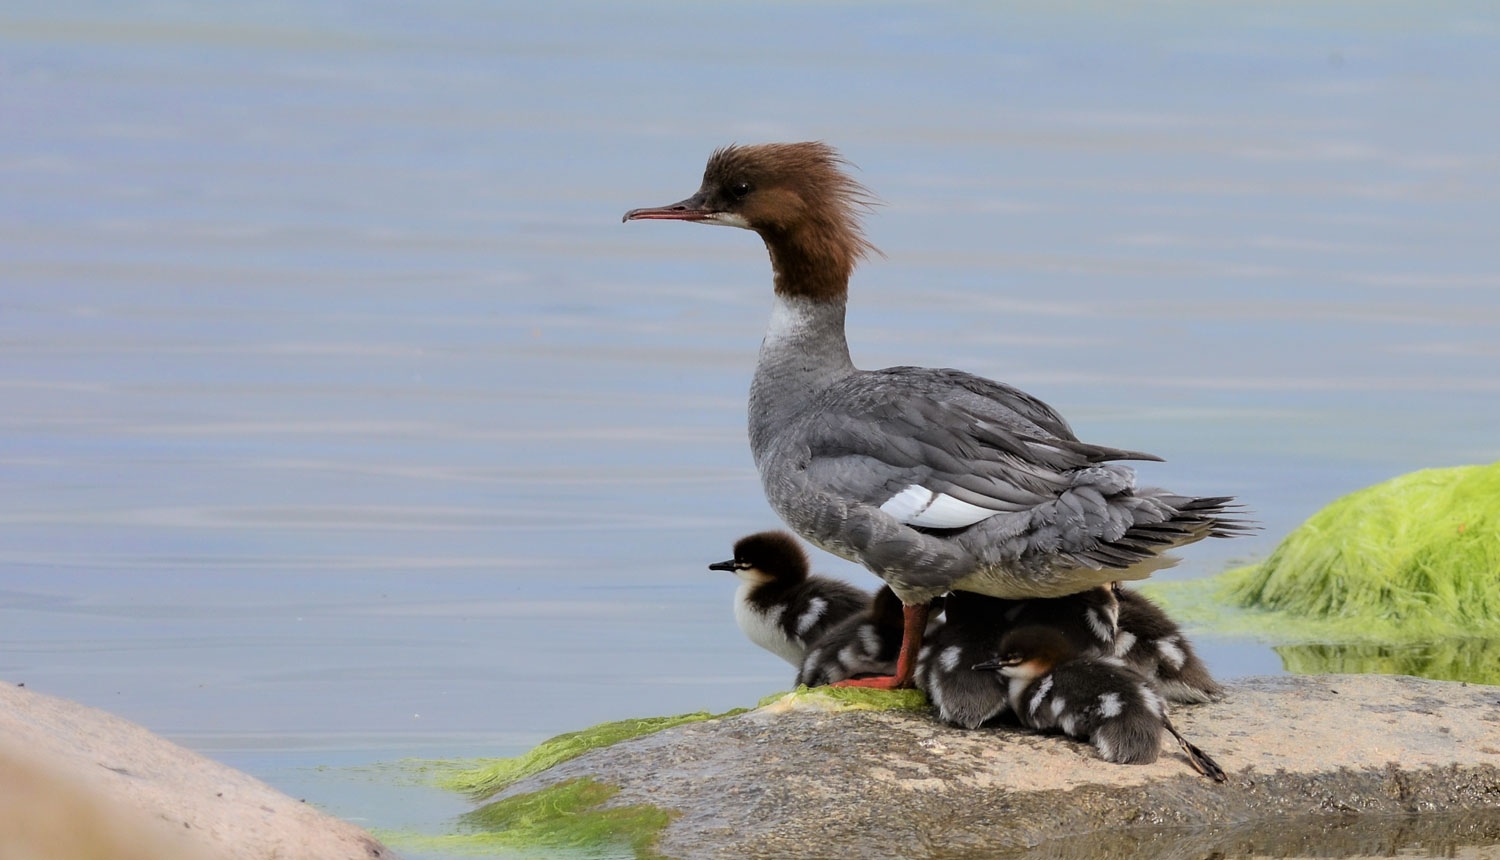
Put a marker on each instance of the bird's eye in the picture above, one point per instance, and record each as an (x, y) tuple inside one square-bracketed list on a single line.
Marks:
[(739, 189)]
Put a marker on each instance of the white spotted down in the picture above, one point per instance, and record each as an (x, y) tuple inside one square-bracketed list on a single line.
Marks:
[(950, 657), (810, 615), (1101, 628), (1171, 653), (1042, 690), (1110, 705)]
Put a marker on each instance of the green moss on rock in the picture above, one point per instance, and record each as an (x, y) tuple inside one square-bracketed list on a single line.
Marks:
[(848, 699), (560, 819), (484, 777)]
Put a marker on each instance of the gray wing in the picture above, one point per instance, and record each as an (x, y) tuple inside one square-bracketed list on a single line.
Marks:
[(943, 449)]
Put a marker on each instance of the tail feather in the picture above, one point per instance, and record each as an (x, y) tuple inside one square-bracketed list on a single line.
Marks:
[(1190, 520)]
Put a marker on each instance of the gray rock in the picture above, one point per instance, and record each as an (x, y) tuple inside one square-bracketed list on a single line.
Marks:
[(80, 783), (797, 779)]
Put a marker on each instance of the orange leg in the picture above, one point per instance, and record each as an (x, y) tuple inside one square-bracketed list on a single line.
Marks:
[(914, 619)]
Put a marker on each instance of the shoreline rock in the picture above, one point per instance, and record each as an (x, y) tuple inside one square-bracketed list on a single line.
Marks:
[(799, 779), (81, 783)]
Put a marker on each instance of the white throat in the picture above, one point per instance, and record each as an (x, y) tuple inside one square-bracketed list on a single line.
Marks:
[(763, 627)]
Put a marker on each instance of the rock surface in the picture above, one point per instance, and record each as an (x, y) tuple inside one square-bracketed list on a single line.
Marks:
[(795, 779), (79, 783)]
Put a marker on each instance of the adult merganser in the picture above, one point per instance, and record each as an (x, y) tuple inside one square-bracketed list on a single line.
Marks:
[(778, 605), (934, 479), (1152, 644), (1097, 699)]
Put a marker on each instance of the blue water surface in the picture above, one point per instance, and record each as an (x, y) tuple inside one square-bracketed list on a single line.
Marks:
[(343, 420)]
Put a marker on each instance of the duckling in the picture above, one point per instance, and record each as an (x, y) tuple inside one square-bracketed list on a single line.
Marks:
[(970, 632), (1051, 685), (1151, 643), (1120, 622), (778, 605), (863, 644)]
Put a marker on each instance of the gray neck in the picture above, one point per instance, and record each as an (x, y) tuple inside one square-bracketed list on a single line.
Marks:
[(803, 354)]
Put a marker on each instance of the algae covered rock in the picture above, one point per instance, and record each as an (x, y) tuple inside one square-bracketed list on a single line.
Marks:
[(1400, 578), (810, 775), (1419, 553)]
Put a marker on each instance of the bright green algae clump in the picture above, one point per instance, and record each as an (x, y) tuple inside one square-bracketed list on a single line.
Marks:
[(488, 776), (1419, 553), (1408, 569), (566, 817)]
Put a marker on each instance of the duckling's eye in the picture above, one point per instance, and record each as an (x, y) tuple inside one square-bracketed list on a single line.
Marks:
[(739, 190)]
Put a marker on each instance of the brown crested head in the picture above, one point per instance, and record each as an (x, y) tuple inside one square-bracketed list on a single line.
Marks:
[(800, 200), (774, 555)]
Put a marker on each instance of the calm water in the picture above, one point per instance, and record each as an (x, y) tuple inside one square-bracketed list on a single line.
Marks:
[(344, 421)]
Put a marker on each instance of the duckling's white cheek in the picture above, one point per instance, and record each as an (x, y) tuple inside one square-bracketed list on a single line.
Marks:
[(1124, 642)]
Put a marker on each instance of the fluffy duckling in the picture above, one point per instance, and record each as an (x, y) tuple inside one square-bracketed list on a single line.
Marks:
[(778, 605), (1153, 644), (864, 644), (972, 625), (1051, 685), (971, 633)]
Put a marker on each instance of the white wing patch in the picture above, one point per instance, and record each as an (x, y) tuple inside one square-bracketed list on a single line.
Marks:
[(1042, 690), (810, 615), (918, 506), (1170, 652), (1102, 629), (950, 657), (1110, 705)]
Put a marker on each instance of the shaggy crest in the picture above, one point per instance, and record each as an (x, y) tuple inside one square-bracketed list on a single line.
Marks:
[(799, 198)]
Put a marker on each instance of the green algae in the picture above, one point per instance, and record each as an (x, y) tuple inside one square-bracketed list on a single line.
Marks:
[(1402, 577), (1418, 555), (481, 778), (565, 819), (850, 699)]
